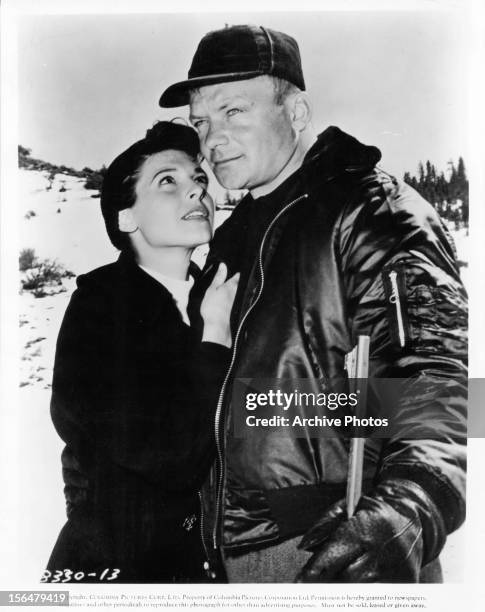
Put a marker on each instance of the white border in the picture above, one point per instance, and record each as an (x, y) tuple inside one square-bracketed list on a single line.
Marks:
[(471, 594)]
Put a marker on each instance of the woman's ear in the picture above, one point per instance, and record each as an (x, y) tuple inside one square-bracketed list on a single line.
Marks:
[(126, 221), (300, 111)]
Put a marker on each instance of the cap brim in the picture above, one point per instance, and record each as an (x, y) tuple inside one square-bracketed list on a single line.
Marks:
[(178, 94)]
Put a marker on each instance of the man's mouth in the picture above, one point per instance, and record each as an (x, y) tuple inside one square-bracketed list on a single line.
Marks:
[(199, 213), (220, 162)]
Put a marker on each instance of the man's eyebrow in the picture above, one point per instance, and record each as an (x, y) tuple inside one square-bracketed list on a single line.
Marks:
[(223, 105), (232, 100)]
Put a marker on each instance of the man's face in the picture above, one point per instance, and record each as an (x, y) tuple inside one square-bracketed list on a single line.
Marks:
[(245, 136)]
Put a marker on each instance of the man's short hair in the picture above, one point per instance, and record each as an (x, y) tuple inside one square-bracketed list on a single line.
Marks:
[(119, 182), (283, 89)]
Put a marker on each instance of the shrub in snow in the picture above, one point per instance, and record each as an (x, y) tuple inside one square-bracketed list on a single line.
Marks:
[(27, 259), (44, 277), (94, 179)]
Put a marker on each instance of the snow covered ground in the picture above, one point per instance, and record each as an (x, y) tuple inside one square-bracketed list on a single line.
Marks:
[(68, 226)]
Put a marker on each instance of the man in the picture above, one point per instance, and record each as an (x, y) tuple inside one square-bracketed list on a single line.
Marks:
[(329, 248)]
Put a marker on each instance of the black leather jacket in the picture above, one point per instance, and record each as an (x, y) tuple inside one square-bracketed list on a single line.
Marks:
[(321, 277)]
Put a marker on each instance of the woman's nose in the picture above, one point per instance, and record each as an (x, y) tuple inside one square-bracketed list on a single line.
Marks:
[(197, 191)]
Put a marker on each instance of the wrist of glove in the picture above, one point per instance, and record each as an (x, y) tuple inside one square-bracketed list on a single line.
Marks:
[(395, 531)]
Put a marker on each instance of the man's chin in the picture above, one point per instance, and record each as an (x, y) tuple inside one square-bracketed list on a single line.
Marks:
[(230, 181)]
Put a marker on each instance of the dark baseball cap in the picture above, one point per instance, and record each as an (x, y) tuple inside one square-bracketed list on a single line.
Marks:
[(236, 53)]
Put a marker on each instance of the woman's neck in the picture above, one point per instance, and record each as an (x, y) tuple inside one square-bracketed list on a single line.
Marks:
[(169, 261)]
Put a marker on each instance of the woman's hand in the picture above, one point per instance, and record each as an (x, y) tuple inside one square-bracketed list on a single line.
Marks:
[(216, 307)]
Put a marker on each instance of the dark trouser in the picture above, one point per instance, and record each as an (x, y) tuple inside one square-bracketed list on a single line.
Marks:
[(277, 563), (281, 562)]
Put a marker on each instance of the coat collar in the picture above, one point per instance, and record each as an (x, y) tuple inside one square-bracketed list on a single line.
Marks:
[(336, 152), (145, 297)]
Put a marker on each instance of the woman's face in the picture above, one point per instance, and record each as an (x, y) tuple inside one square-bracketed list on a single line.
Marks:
[(172, 207)]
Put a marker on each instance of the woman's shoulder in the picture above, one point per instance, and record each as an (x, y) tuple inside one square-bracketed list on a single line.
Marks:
[(100, 278), (118, 286), (95, 292)]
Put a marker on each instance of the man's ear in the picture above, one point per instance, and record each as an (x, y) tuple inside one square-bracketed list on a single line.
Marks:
[(300, 111), (126, 221)]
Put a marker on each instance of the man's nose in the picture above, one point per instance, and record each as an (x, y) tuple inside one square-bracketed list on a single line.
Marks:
[(215, 135)]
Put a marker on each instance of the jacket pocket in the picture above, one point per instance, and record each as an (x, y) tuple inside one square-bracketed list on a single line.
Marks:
[(439, 321), (426, 315)]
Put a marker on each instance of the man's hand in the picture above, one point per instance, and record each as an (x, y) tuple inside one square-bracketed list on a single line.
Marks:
[(395, 530)]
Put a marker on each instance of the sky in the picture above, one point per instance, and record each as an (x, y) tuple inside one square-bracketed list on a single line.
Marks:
[(89, 84)]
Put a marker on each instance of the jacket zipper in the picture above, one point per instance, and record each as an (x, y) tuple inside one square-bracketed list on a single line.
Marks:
[(395, 299), (207, 566), (219, 483)]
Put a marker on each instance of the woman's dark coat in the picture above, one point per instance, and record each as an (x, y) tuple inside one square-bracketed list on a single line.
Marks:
[(134, 394)]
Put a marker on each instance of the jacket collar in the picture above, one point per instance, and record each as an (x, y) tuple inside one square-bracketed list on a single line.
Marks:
[(336, 152)]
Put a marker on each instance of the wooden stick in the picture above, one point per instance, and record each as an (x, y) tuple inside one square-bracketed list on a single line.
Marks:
[(357, 365)]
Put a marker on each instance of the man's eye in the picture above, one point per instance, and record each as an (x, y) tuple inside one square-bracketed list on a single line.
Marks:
[(233, 111), (199, 123)]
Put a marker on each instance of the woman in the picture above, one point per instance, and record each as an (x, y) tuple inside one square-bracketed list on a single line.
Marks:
[(135, 384)]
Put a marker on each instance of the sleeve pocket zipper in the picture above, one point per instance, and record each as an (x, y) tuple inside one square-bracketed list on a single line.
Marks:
[(394, 287)]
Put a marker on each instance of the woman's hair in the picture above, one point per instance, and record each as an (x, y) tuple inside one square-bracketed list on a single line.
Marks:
[(119, 182)]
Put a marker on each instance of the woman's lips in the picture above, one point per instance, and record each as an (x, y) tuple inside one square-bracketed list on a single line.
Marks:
[(200, 213)]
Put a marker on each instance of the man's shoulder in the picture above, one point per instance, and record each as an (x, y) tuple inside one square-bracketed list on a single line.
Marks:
[(381, 190), (349, 167)]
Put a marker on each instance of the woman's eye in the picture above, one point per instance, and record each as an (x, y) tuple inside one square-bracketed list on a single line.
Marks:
[(233, 111), (202, 179), (166, 180), (198, 124)]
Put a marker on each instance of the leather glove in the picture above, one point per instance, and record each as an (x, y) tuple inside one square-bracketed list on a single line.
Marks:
[(395, 530)]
